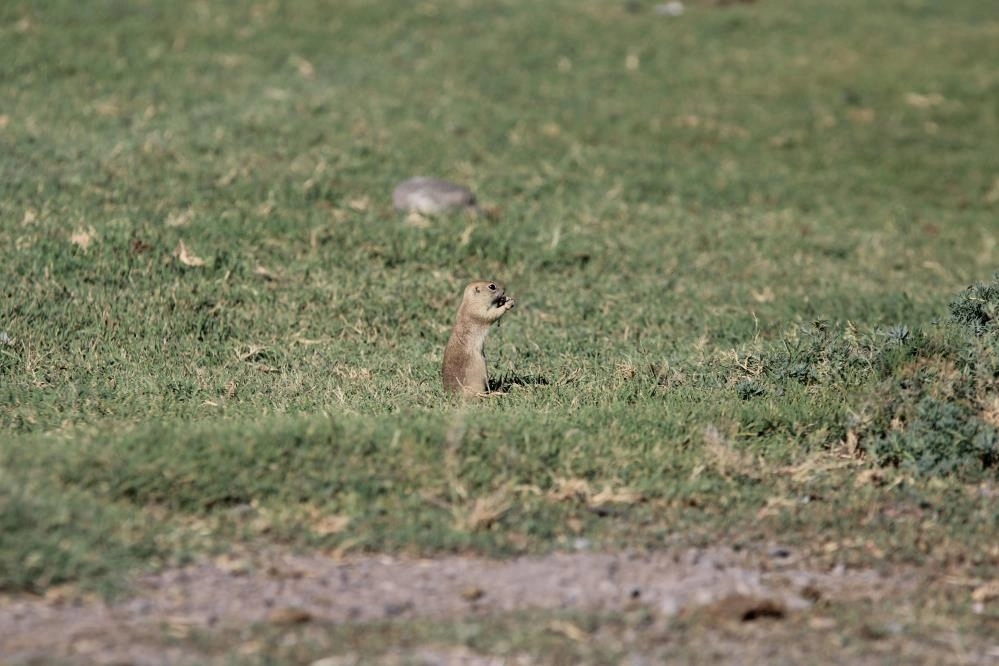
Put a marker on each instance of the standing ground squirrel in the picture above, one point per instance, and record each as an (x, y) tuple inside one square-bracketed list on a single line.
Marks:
[(483, 304)]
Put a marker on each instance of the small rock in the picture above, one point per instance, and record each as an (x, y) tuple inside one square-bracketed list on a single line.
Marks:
[(431, 196), (672, 9), (5, 339), (288, 616)]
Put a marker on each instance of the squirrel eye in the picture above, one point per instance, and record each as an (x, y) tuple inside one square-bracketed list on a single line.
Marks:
[(492, 287)]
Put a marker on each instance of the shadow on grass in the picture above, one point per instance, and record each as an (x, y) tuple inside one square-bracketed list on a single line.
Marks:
[(508, 381)]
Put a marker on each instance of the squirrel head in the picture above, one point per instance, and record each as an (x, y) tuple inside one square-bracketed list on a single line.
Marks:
[(485, 301)]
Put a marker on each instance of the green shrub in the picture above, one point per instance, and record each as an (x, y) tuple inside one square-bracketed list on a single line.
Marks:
[(939, 438), (928, 415), (915, 397), (977, 307)]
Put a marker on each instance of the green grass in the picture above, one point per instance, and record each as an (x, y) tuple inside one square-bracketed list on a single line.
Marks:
[(672, 233)]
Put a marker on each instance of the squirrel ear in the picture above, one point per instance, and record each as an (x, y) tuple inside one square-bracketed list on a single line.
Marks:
[(476, 290)]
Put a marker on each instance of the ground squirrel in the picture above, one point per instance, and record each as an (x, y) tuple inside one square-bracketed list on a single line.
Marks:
[(483, 304)]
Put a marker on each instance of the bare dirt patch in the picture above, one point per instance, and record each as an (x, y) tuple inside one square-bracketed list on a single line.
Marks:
[(281, 589)]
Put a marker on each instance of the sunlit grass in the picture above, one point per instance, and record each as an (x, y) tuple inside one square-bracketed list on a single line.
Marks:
[(210, 302)]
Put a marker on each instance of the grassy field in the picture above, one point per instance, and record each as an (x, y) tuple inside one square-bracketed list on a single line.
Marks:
[(740, 240)]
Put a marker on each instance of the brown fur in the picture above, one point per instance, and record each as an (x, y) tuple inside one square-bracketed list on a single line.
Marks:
[(464, 357)]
